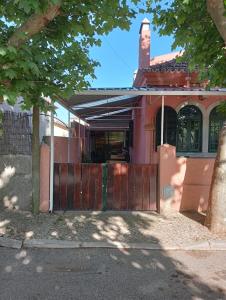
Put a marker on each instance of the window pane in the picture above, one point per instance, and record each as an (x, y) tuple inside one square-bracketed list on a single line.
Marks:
[(189, 133), (216, 120)]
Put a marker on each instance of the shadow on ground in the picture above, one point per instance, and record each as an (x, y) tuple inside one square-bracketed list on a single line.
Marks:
[(195, 216), (106, 273)]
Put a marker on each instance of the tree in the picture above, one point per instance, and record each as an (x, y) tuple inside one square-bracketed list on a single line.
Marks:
[(200, 28), (44, 50), (195, 31)]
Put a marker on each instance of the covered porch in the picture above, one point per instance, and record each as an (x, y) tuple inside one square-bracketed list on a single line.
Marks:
[(134, 110)]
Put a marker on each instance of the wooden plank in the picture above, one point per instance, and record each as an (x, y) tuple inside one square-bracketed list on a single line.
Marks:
[(131, 187), (124, 186), (85, 186), (63, 185), (138, 195), (56, 187), (117, 186), (146, 171), (98, 188), (93, 173), (110, 186), (153, 187), (77, 187), (70, 186)]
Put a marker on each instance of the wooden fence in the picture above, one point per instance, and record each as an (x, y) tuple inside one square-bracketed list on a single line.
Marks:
[(118, 186), (15, 133)]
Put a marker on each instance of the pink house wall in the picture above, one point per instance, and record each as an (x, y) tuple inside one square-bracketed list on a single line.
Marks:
[(144, 150), (184, 183), (67, 150), (44, 178)]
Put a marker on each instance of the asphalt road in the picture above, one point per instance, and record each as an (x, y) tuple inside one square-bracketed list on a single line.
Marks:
[(111, 274)]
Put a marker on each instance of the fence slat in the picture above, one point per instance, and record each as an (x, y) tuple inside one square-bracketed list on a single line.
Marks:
[(56, 188), (63, 186), (77, 187), (70, 186)]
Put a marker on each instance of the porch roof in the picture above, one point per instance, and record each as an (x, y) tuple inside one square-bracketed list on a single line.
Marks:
[(112, 106)]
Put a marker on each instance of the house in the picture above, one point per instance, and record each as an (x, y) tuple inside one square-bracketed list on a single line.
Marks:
[(168, 123), (188, 126), (167, 119), (191, 123)]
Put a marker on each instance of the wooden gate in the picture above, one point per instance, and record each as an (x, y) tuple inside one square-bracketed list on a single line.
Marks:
[(117, 186)]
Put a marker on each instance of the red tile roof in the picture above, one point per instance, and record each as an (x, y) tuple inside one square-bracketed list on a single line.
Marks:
[(167, 63)]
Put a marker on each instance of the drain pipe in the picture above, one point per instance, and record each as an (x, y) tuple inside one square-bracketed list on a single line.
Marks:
[(51, 161), (69, 136), (162, 121)]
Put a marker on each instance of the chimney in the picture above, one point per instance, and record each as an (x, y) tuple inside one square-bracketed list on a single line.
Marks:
[(144, 44)]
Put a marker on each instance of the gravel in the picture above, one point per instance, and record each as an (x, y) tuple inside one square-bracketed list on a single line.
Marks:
[(173, 229)]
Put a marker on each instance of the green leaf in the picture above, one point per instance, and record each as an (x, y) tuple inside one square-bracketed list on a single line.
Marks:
[(11, 74), (2, 52)]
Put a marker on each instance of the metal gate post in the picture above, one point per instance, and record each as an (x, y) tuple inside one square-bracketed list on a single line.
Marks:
[(104, 186)]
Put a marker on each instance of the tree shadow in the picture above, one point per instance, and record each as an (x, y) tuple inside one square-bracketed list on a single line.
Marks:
[(106, 274), (196, 216), (121, 273)]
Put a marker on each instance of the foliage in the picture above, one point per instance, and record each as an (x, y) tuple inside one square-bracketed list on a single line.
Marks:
[(55, 61), (193, 30)]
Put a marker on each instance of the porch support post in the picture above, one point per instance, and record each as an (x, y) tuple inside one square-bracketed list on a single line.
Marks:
[(162, 120), (51, 161), (68, 144), (79, 127)]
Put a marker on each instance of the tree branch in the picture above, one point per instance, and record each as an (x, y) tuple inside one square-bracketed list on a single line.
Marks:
[(33, 25), (216, 10)]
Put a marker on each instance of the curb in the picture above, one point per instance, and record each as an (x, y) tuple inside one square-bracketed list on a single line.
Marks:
[(209, 245), (10, 243)]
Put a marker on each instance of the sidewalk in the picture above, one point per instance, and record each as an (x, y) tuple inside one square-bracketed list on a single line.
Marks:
[(107, 229)]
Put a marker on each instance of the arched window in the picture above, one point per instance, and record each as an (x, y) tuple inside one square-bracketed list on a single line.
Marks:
[(189, 132), (170, 126), (216, 120)]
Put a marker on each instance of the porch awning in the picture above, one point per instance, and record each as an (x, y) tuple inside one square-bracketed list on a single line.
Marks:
[(104, 107)]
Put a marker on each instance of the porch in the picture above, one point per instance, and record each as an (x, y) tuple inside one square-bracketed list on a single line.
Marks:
[(116, 109)]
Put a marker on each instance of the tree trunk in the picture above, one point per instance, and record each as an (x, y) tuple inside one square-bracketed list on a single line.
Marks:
[(217, 10), (216, 213), (34, 24), (35, 161)]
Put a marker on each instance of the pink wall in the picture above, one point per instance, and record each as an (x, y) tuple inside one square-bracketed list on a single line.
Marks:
[(44, 178), (184, 183), (64, 147), (142, 133), (144, 150)]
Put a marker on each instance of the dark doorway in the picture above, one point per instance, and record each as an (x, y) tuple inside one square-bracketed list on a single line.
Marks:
[(107, 145)]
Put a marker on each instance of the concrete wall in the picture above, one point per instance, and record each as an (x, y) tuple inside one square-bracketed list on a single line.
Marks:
[(15, 182), (184, 183)]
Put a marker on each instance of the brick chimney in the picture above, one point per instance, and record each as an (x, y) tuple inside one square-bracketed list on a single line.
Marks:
[(144, 44)]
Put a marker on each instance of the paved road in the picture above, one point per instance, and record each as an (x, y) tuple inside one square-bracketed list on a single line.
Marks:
[(111, 274)]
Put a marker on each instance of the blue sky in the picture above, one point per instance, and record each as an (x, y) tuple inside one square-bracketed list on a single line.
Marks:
[(118, 56)]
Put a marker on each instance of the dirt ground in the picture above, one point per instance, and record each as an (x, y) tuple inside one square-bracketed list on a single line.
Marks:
[(175, 229)]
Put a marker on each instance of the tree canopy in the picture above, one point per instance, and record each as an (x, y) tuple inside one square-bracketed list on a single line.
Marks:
[(44, 45), (199, 28)]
